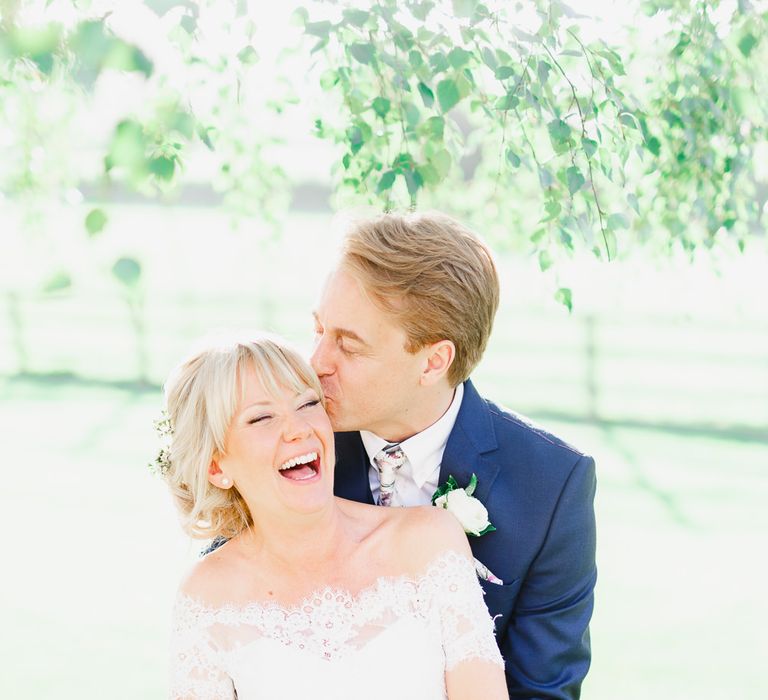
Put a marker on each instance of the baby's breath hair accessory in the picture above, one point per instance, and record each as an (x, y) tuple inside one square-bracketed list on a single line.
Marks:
[(164, 430)]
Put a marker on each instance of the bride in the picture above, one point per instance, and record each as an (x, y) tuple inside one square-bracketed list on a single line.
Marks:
[(313, 595)]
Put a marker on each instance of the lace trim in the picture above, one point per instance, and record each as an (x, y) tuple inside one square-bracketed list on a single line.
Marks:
[(333, 622)]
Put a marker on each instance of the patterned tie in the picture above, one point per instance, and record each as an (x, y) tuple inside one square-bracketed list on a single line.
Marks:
[(388, 461)]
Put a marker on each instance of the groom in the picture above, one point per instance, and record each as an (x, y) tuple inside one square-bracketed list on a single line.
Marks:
[(403, 320)]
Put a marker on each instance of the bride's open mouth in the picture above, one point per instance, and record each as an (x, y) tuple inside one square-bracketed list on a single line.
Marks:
[(301, 468)]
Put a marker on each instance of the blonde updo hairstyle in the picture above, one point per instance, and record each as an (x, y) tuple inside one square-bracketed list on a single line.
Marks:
[(201, 395)]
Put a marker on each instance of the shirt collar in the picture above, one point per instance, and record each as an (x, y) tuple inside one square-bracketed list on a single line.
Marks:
[(425, 449)]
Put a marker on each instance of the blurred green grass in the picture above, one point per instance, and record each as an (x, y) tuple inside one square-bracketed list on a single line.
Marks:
[(659, 371)]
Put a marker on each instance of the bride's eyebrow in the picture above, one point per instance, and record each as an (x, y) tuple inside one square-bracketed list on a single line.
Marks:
[(255, 404)]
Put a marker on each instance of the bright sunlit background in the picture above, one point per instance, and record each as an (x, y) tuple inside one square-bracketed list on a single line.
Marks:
[(660, 372)]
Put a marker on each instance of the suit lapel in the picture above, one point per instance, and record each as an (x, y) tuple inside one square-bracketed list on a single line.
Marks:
[(469, 445), (351, 475)]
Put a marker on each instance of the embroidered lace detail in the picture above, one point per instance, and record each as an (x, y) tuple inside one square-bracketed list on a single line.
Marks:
[(332, 624)]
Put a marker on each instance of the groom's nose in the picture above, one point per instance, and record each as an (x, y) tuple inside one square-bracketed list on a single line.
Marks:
[(321, 357)]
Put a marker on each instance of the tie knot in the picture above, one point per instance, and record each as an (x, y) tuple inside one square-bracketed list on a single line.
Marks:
[(390, 459)]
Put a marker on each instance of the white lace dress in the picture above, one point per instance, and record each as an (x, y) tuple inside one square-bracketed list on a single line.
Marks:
[(394, 639)]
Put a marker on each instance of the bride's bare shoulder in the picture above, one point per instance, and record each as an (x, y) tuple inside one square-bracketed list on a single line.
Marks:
[(426, 532), (211, 580)]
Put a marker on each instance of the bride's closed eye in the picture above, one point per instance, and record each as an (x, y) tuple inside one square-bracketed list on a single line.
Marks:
[(259, 419)]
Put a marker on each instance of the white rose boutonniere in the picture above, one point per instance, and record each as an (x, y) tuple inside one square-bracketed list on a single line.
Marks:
[(472, 514)]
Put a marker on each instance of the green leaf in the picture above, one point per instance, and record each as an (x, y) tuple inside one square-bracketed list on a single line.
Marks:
[(537, 236), (574, 178), (356, 17), (633, 202), (614, 60), (628, 120), (381, 106), (413, 181), (57, 283), (127, 271), (747, 43), (490, 59), (447, 94), (589, 146), (363, 53), (654, 145), (356, 138), (464, 8), (188, 23), (128, 146), (488, 528), (507, 102), (163, 167), (248, 55), (415, 59), (319, 29), (504, 72), (559, 131), (542, 70), (402, 163), (513, 158), (552, 208), (95, 221), (682, 43), (434, 127), (426, 95), (439, 62), (470, 489), (442, 162), (386, 182), (564, 297), (545, 260), (412, 114), (617, 221), (458, 57)]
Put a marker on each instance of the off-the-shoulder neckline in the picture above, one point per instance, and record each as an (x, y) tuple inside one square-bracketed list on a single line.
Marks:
[(435, 566)]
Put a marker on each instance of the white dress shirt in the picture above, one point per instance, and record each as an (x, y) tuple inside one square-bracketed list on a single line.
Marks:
[(417, 479)]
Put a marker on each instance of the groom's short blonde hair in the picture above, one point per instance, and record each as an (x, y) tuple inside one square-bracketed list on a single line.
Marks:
[(434, 276), (201, 396)]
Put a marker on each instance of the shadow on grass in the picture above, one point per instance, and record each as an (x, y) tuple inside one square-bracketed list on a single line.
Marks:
[(667, 500)]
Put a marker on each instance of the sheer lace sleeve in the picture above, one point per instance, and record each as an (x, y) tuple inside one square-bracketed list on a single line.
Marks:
[(466, 624), (197, 662)]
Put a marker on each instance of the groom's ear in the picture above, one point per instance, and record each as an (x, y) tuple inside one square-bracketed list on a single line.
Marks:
[(438, 358)]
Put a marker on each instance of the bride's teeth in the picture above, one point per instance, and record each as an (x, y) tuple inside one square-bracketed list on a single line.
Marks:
[(301, 459)]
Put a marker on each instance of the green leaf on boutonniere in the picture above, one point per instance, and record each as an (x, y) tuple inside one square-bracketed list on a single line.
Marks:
[(472, 485), (488, 529), (449, 485)]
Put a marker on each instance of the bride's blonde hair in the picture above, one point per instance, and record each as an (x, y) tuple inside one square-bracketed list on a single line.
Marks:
[(201, 396)]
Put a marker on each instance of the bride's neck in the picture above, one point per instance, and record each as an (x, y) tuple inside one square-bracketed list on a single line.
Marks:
[(299, 540)]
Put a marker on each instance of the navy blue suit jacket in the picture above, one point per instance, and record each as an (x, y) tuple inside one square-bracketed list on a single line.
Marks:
[(539, 493)]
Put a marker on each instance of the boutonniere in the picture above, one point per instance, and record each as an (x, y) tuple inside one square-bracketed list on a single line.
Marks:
[(472, 515)]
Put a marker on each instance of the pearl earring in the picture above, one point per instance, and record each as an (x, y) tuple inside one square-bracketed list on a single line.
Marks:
[(225, 481)]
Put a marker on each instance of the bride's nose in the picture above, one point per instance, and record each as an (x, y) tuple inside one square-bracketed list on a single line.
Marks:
[(296, 427)]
